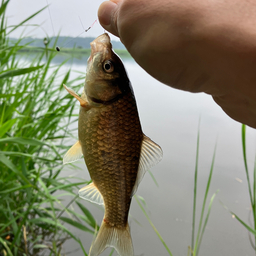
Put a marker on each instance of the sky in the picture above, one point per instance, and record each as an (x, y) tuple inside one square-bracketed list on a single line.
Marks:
[(64, 14)]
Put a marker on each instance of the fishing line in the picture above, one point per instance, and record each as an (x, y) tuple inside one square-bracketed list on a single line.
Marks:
[(81, 22), (85, 30), (58, 48), (91, 26), (50, 16)]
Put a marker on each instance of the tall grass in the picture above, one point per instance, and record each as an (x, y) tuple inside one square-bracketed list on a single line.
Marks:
[(197, 233), (196, 243), (251, 190), (33, 124)]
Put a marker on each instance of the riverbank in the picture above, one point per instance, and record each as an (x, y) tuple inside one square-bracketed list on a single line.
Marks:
[(71, 51)]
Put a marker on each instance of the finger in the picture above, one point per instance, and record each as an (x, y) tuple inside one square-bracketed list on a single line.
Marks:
[(107, 14)]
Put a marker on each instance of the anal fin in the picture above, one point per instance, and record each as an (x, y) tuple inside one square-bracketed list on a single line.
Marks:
[(91, 193)]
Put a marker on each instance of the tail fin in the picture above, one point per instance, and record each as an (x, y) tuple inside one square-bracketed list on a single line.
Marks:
[(108, 236)]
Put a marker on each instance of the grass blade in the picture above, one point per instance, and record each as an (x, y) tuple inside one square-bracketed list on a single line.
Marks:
[(240, 220), (76, 224), (6, 247), (244, 224), (205, 222), (12, 167), (195, 193), (152, 225), (23, 141), (18, 72), (199, 232), (89, 216), (245, 162), (7, 126)]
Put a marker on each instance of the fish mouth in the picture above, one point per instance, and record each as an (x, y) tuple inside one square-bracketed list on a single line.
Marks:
[(100, 44)]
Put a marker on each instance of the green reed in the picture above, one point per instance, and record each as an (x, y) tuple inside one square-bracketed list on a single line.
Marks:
[(197, 233), (35, 113), (251, 190), (196, 239)]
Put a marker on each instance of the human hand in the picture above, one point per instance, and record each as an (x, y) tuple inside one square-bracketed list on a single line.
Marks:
[(193, 45)]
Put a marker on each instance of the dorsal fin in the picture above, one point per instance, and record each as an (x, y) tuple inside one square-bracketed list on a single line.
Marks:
[(91, 193), (151, 154), (73, 154)]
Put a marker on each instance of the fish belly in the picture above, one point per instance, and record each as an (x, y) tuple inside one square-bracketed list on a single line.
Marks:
[(111, 139)]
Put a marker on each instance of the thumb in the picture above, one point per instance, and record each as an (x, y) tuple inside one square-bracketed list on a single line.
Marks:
[(107, 14)]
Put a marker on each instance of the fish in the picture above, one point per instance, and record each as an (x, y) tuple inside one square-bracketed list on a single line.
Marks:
[(110, 138)]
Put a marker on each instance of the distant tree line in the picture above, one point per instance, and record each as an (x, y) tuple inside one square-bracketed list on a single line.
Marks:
[(63, 41)]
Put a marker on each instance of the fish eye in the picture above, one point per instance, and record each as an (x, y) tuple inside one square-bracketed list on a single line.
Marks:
[(108, 66)]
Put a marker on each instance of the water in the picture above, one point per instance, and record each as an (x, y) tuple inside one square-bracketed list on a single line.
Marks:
[(171, 118)]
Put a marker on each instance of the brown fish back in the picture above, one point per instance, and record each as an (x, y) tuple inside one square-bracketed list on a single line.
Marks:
[(111, 139)]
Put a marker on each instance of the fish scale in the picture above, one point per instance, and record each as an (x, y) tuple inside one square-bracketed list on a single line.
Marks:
[(109, 160)]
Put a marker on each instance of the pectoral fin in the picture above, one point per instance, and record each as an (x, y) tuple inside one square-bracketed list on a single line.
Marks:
[(150, 155), (73, 154), (91, 193), (83, 102)]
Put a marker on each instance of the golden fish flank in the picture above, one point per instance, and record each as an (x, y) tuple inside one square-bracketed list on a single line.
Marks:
[(115, 150)]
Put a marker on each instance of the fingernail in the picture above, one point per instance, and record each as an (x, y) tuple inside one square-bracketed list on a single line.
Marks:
[(105, 12)]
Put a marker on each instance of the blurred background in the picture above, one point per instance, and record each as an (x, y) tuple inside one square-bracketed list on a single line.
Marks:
[(40, 213)]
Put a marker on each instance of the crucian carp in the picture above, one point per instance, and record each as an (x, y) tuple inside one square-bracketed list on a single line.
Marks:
[(110, 138)]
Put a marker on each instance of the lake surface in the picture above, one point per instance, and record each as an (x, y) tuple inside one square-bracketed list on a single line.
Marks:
[(171, 118)]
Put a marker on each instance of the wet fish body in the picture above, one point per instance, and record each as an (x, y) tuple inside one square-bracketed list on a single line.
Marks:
[(112, 141), (116, 151)]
